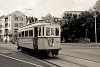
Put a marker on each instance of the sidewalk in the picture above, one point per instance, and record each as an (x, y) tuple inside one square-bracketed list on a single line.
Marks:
[(9, 46), (81, 44)]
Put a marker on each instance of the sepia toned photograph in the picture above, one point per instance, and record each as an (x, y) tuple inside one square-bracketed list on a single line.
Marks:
[(49, 33)]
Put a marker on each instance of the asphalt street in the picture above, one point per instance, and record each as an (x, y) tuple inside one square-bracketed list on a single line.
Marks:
[(6, 61), (11, 57), (76, 55)]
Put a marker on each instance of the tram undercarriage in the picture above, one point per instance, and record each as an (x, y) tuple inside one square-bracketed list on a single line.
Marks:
[(53, 52)]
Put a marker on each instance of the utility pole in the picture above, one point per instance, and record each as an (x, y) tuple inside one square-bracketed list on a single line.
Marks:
[(95, 29)]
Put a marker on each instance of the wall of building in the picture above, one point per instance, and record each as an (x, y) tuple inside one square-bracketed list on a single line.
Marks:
[(11, 23), (18, 19)]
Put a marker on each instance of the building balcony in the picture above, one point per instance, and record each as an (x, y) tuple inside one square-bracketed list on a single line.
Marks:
[(6, 27), (6, 22), (1, 28)]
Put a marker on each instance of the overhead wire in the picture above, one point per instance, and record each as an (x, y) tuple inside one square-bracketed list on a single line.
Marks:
[(43, 2), (40, 4), (63, 7)]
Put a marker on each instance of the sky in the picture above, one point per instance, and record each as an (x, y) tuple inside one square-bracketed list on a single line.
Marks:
[(38, 8)]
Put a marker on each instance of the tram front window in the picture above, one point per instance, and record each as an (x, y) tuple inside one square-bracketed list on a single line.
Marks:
[(52, 31), (57, 31), (39, 31), (48, 31)]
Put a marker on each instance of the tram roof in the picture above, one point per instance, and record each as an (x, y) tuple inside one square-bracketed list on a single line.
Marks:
[(37, 24)]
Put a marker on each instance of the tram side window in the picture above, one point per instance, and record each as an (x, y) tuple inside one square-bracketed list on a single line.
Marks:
[(26, 33), (22, 33), (19, 34), (57, 31), (39, 31), (48, 31), (30, 32), (43, 31), (52, 31)]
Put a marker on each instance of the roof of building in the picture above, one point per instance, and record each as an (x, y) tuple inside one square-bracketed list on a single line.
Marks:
[(74, 12)]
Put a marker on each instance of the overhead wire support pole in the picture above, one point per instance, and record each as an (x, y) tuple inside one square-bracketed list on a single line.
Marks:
[(95, 29)]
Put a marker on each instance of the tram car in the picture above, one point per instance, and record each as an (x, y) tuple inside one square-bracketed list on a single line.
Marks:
[(40, 37)]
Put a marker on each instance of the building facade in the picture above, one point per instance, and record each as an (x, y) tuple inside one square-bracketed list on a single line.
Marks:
[(72, 13), (69, 15), (10, 24), (2, 27)]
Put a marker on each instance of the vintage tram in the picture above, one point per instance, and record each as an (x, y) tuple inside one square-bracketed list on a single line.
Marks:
[(40, 37)]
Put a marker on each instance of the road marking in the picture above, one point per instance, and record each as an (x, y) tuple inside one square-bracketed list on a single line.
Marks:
[(21, 60)]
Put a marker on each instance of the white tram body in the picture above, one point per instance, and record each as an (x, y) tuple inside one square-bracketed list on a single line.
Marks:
[(40, 37)]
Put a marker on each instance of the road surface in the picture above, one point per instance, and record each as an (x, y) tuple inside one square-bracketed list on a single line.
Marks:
[(69, 56), (11, 57)]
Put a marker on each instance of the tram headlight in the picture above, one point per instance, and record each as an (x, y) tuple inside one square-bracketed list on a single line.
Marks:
[(53, 44)]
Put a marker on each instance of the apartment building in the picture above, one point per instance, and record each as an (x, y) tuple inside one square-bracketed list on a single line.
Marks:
[(72, 13), (2, 27), (67, 15), (10, 23)]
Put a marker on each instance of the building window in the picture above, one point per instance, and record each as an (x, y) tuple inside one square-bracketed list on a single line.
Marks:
[(21, 24), (9, 25), (15, 30), (21, 18), (16, 24), (30, 32), (48, 31), (16, 18), (0, 31), (19, 34), (9, 18)]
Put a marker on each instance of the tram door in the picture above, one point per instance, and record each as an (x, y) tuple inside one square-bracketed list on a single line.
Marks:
[(36, 38)]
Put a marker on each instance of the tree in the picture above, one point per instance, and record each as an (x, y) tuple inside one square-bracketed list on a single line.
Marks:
[(48, 18), (97, 6), (76, 28)]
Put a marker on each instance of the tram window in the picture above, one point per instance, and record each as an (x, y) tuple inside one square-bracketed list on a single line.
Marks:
[(57, 31), (26, 33), (19, 34), (43, 31), (30, 32), (39, 31), (22, 33), (48, 31), (52, 31)]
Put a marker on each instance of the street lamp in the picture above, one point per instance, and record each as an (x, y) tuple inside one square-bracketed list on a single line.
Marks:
[(95, 29)]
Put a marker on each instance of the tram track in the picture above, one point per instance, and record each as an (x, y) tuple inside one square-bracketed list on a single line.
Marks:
[(59, 60), (81, 58), (73, 62), (40, 58), (46, 59), (51, 62)]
